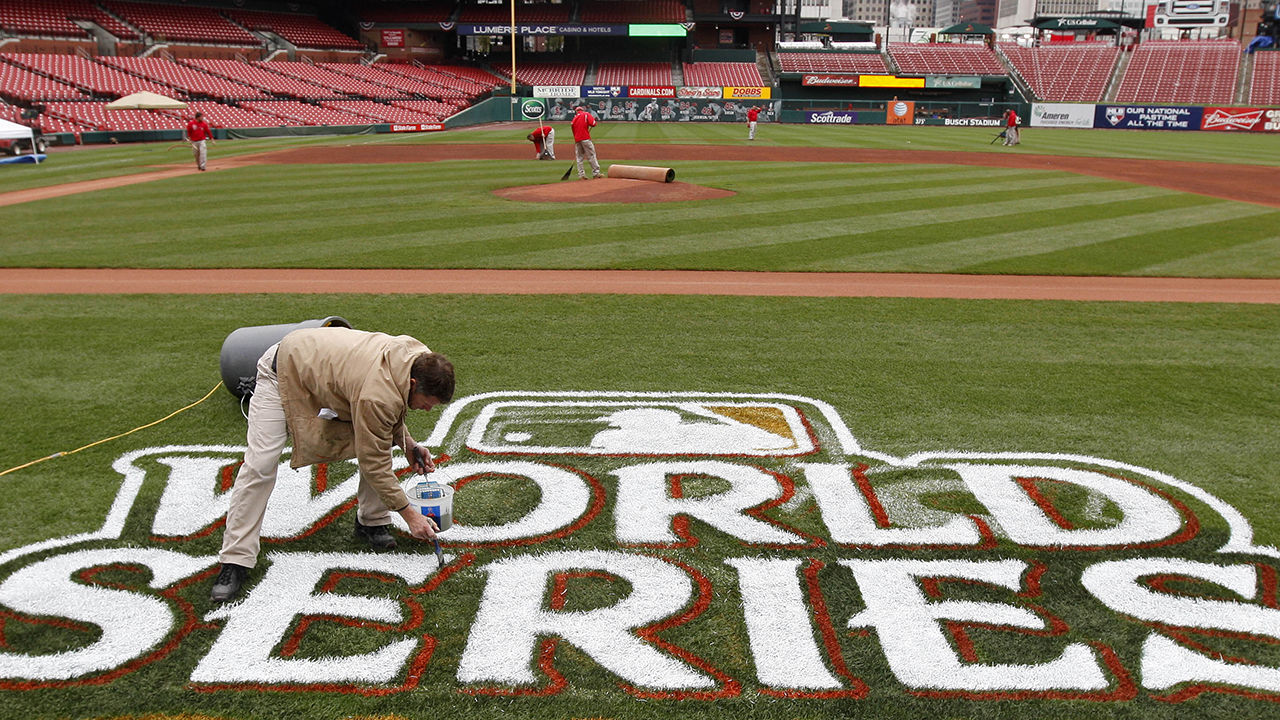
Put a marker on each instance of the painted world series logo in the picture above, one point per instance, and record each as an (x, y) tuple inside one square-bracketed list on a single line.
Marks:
[(634, 529)]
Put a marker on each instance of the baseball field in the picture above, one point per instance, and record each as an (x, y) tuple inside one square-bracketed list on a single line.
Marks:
[(671, 504)]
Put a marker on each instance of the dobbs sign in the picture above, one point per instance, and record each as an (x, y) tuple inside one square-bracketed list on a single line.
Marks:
[(678, 546)]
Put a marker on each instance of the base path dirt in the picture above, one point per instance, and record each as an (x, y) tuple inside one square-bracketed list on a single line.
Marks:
[(612, 190), (637, 282)]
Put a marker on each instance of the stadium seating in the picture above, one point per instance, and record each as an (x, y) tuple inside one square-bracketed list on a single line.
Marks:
[(302, 113), (550, 73), (328, 78), (620, 12), (381, 112), (53, 18), (722, 74), (427, 107), (95, 115), (21, 84), (1200, 71), (633, 73), (802, 62), (542, 12), (75, 70), (260, 78), (220, 115), (450, 84), (304, 31), (46, 122), (945, 59), (432, 11), (1265, 87), (1067, 72), (380, 76), (191, 81), (182, 23)]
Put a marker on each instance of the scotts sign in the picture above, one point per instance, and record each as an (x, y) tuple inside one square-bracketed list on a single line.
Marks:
[(843, 570)]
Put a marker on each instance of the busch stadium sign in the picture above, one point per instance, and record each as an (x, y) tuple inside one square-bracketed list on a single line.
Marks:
[(608, 532)]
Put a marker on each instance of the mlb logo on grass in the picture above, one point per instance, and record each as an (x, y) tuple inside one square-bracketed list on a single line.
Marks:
[(599, 423)]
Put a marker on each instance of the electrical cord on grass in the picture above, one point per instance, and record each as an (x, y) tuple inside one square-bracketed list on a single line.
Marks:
[(114, 437)]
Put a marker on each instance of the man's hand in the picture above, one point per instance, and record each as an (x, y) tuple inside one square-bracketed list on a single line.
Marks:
[(420, 526), (420, 460)]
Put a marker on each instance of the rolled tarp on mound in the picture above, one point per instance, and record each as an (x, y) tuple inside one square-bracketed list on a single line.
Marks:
[(640, 172)]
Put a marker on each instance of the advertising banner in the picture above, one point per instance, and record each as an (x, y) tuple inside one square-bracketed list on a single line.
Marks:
[(953, 83), (393, 38), (417, 127), (747, 93), (602, 91), (533, 108), (706, 93), (567, 29), (1147, 117), (653, 92), (889, 81), (557, 91), (831, 117), (961, 122), (659, 110), (1062, 115), (829, 80), (1237, 118), (901, 112)]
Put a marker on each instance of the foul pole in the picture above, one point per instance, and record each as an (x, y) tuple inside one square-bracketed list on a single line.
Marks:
[(513, 60)]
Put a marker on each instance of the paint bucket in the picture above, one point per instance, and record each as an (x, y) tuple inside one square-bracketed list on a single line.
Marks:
[(244, 347), (434, 501)]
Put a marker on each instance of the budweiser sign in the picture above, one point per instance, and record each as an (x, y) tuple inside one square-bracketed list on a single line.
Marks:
[(830, 80), (1219, 118)]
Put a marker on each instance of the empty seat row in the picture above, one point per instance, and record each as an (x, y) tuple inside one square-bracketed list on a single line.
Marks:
[(872, 63), (722, 74), (1181, 72), (1070, 72), (633, 73), (945, 59)]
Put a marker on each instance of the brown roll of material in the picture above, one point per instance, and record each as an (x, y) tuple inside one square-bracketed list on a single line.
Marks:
[(639, 172)]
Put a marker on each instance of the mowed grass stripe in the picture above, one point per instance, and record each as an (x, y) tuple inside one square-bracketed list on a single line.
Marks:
[(615, 254), (326, 223), (970, 252), (1260, 259)]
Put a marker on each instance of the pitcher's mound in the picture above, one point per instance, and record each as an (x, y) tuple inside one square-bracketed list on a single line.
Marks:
[(612, 190)]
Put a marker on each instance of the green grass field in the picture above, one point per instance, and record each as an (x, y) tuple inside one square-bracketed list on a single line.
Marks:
[(1186, 391)]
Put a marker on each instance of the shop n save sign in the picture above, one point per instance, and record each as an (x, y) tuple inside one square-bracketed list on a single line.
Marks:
[(764, 508)]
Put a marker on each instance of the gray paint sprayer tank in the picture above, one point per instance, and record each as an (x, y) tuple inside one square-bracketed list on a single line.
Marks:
[(244, 347)]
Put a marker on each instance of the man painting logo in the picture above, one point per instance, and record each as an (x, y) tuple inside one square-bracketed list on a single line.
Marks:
[(603, 542)]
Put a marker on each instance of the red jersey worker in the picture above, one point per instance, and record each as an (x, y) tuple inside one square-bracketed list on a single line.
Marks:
[(582, 145), (544, 143), (1011, 128), (752, 114), (197, 132)]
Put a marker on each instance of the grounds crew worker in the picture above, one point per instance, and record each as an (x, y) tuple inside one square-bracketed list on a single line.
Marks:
[(340, 394)]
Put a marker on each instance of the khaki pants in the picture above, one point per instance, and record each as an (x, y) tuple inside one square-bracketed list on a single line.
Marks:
[(201, 152), (751, 133), (257, 476), (586, 150)]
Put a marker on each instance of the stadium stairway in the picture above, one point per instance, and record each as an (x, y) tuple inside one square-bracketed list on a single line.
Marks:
[(677, 70), (1018, 81), (1117, 75), (1244, 80), (593, 69), (765, 66)]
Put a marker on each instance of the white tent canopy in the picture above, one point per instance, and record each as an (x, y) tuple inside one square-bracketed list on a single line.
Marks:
[(146, 101), (14, 131)]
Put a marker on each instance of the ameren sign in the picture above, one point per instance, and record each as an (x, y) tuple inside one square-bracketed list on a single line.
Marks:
[(822, 542)]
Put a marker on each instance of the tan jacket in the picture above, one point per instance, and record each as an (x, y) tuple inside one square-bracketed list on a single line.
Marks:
[(364, 378)]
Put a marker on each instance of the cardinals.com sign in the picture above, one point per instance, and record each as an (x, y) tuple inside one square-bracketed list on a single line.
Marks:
[(828, 570)]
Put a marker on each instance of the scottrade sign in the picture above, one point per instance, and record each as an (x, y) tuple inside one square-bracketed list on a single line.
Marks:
[(1147, 117)]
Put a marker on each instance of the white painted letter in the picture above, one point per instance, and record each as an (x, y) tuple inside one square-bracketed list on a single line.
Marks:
[(644, 510), (917, 648), (501, 646), (779, 626), (131, 623), (851, 522), (565, 498), (1147, 517), (1165, 663), (255, 626)]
